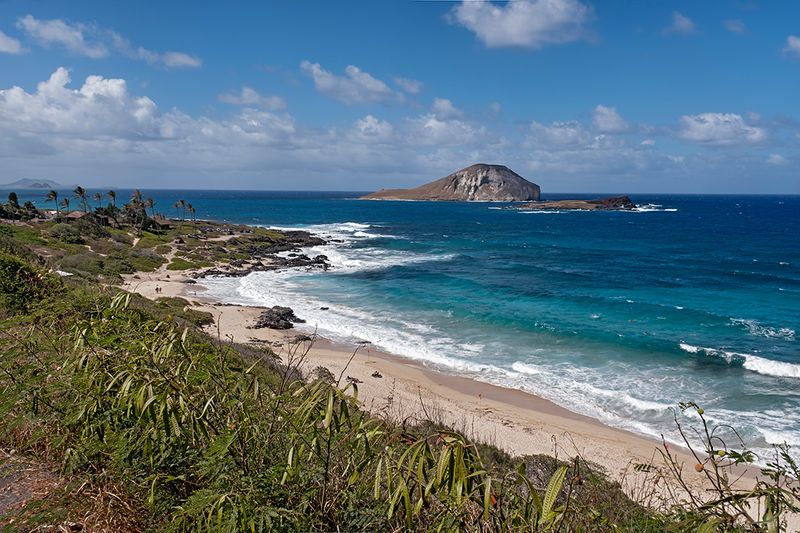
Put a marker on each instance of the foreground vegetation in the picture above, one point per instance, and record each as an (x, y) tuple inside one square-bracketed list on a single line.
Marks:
[(155, 426)]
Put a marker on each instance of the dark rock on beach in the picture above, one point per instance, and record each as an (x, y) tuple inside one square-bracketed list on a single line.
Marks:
[(277, 317)]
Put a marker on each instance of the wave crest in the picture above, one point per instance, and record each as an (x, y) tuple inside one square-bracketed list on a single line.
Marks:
[(754, 363)]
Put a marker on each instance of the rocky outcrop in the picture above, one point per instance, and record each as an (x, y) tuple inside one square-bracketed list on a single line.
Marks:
[(477, 183), (277, 318), (264, 255), (613, 203)]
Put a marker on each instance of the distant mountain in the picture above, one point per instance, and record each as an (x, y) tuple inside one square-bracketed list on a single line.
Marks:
[(27, 183), (477, 183)]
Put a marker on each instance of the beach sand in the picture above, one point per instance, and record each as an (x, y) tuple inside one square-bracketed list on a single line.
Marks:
[(515, 421)]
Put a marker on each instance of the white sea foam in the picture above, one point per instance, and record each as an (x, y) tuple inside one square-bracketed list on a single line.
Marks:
[(780, 437), (754, 363), (524, 368), (653, 208), (755, 328), (347, 255)]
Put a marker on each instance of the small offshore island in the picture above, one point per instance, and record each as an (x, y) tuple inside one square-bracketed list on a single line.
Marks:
[(482, 182), (612, 203)]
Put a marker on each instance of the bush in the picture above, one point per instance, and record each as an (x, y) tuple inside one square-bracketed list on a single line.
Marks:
[(179, 263), (21, 285), (179, 308), (66, 233)]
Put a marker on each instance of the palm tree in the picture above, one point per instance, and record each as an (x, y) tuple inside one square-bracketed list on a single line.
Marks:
[(113, 197), (98, 198), (80, 194), (191, 211), (52, 196), (181, 204), (150, 204), (65, 205)]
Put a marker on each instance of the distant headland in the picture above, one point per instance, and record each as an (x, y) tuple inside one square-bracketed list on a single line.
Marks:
[(27, 183)]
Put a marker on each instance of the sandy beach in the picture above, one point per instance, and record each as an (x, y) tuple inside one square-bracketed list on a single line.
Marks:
[(515, 421)]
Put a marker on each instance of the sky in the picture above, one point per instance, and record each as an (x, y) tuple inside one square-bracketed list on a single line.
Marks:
[(577, 96)]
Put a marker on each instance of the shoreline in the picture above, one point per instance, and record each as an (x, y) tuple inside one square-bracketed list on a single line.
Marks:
[(405, 390), (516, 421)]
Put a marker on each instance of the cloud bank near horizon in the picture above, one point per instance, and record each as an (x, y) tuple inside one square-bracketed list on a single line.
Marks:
[(62, 128)]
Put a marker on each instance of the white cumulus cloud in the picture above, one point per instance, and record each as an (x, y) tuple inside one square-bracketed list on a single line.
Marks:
[(60, 33), (608, 120), (445, 110), (166, 59), (735, 26), (355, 87), (524, 23), (719, 129), (408, 85), (777, 160), (372, 129), (250, 97), (434, 131), (560, 135), (680, 24), (9, 45), (792, 45), (180, 60), (96, 43)]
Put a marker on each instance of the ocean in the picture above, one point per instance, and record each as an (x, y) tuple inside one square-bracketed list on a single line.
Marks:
[(614, 315)]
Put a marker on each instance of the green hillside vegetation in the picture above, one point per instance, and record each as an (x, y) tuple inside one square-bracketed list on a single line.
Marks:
[(154, 425)]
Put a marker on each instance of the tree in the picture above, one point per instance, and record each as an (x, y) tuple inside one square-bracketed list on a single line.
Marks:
[(80, 194), (65, 205), (98, 198), (191, 211), (13, 201), (136, 197), (113, 197), (151, 204), (52, 196), (180, 205)]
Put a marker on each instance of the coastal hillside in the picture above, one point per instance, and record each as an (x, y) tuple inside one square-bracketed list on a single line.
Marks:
[(476, 183)]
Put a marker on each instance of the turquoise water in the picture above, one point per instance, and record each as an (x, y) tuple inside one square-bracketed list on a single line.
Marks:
[(618, 316)]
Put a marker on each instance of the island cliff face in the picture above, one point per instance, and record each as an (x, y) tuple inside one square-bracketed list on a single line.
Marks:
[(476, 183)]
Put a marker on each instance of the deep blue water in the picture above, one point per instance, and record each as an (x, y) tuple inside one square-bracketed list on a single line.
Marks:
[(616, 315)]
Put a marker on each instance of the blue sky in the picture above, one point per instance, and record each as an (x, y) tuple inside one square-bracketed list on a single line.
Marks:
[(577, 96)]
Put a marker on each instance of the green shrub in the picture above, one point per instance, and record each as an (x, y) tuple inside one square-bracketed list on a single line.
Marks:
[(66, 233), (21, 285), (178, 308), (179, 263)]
